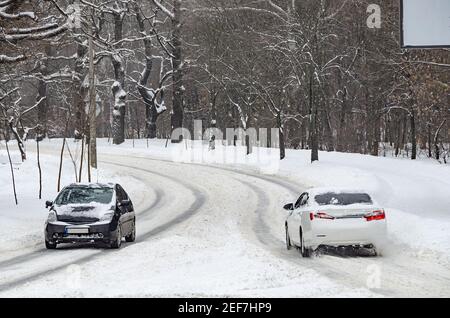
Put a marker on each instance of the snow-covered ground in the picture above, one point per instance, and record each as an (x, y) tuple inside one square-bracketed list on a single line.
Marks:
[(210, 224)]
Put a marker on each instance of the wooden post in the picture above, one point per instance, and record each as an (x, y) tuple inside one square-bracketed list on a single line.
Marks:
[(12, 171), (39, 167), (61, 164), (81, 160), (92, 153)]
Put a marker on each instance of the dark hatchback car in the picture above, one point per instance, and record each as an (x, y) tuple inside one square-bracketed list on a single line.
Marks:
[(90, 213)]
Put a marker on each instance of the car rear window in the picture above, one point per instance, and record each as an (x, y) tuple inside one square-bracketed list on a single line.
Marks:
[(84, 195), (332, 198)]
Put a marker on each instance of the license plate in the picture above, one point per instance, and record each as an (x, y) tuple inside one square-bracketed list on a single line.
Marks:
[(77, 230)]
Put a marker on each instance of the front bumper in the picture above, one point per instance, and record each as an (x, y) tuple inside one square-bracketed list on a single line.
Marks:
[(57, 233)]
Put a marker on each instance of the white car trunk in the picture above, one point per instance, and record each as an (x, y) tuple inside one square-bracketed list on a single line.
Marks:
[(346, 226)]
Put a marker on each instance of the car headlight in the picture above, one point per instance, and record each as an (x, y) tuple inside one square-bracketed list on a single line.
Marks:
[(107, 217), (52, 217)]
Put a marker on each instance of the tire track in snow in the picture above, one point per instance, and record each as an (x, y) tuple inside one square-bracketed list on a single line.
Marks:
[(395, 272), (266, 238), (262, 229), (341, 270), (199, 201)]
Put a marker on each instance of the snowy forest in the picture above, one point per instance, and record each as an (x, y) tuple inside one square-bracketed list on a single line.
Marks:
[(224, 148), (313, 69)]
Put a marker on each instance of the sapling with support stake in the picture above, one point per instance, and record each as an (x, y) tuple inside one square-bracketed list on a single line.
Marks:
[(12, 170), (39, 137)]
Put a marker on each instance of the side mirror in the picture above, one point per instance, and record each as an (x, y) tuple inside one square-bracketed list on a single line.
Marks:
[(125, 203), (289, 207), (48, 204)]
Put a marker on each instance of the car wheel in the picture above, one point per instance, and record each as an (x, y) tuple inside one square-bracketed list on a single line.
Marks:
[(50, 245), (306, 252), (288, 239), (132, 236), (376, 252), (117, 243)]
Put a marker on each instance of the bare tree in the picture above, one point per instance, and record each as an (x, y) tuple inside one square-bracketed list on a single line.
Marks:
[(176, 53)]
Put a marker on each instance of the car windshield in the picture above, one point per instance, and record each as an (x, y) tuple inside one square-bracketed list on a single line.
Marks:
[(332, 198), (84, 195)]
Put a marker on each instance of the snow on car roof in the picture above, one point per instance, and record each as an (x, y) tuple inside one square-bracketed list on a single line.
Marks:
[(323, 190), (92, 185)]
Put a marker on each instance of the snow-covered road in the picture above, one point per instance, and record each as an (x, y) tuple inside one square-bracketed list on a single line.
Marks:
[(213, 231)]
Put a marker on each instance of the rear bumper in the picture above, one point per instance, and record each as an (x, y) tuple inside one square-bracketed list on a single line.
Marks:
[(335, 243), (56, 233), (338, 233)]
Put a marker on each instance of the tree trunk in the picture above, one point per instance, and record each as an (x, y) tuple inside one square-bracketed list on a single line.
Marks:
[(43, 106), (328, 132), (19, 140), (152, 117), (437, 149), (118, 126), (119, 111), (404, 139), (436, 140), (430, 151), (281, 137), (341, 130), (397, 139), (303, 136), (177, 62), (78, 89), (314, 141), (376, 136), (413, 135)]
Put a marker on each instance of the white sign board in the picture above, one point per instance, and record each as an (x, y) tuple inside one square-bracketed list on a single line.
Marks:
[(425, 23)]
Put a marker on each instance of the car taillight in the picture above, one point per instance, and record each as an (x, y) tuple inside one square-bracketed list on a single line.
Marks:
[(375, 216), (321, 215)]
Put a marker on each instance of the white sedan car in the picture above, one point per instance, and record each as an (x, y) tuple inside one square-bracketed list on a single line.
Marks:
[(336, 218)]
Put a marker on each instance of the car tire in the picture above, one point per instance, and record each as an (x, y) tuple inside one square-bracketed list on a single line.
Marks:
[(288, 239), (117, 243), (306, 252), (376, 252), (50, 245), (132, 236)]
